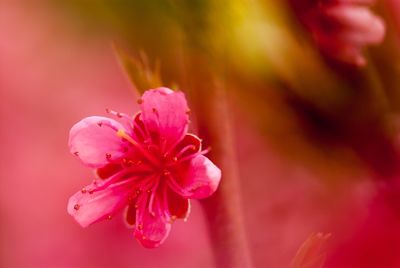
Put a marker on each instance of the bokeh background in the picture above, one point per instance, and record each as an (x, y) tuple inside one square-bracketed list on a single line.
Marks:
[(315, 131)]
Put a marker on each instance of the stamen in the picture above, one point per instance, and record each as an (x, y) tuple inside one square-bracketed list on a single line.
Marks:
[(185, 149), (117, 185), (176, 187), (119, 115), (173, 218), (139, 129), (122, 134), (154, 190), (189, 157), (111, 180), (165, 204), (77, 206), (163, 144)]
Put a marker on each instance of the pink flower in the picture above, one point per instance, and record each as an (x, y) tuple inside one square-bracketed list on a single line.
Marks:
[(341, 28), (149, 164)]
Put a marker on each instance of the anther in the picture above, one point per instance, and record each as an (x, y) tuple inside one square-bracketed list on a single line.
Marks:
[(154, 110), (140, 101), (108, 156), (83, 191), (77, 206), (107, 110), (109, 217), (99, 124), (119, 115), (166, 172), (140, 227), (148, 191), (76, 153)]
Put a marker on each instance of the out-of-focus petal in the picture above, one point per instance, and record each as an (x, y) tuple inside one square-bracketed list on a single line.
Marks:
[(165, 114), (360, 24), (94, 141)]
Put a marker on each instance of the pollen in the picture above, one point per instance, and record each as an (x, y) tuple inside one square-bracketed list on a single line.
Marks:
[(122, 134)]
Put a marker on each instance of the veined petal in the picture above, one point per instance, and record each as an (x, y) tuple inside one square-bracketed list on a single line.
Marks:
[(197, 179), (165, 113), (151, 230), (89, 207), (94, 141)]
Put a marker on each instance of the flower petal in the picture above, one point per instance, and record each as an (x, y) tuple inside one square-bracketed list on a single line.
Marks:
[(199, 179), (130, 215), (165, 113), (89, 207), (178, 206), (95, 142), (151, 230)]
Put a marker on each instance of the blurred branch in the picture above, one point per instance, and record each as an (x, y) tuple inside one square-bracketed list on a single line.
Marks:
[(138, 70), (310, 254)]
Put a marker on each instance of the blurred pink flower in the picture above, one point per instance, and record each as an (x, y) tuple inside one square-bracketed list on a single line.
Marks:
[(341, 28), (150, 165)]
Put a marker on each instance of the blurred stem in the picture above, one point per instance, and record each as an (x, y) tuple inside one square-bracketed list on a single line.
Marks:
[(223, 210)]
